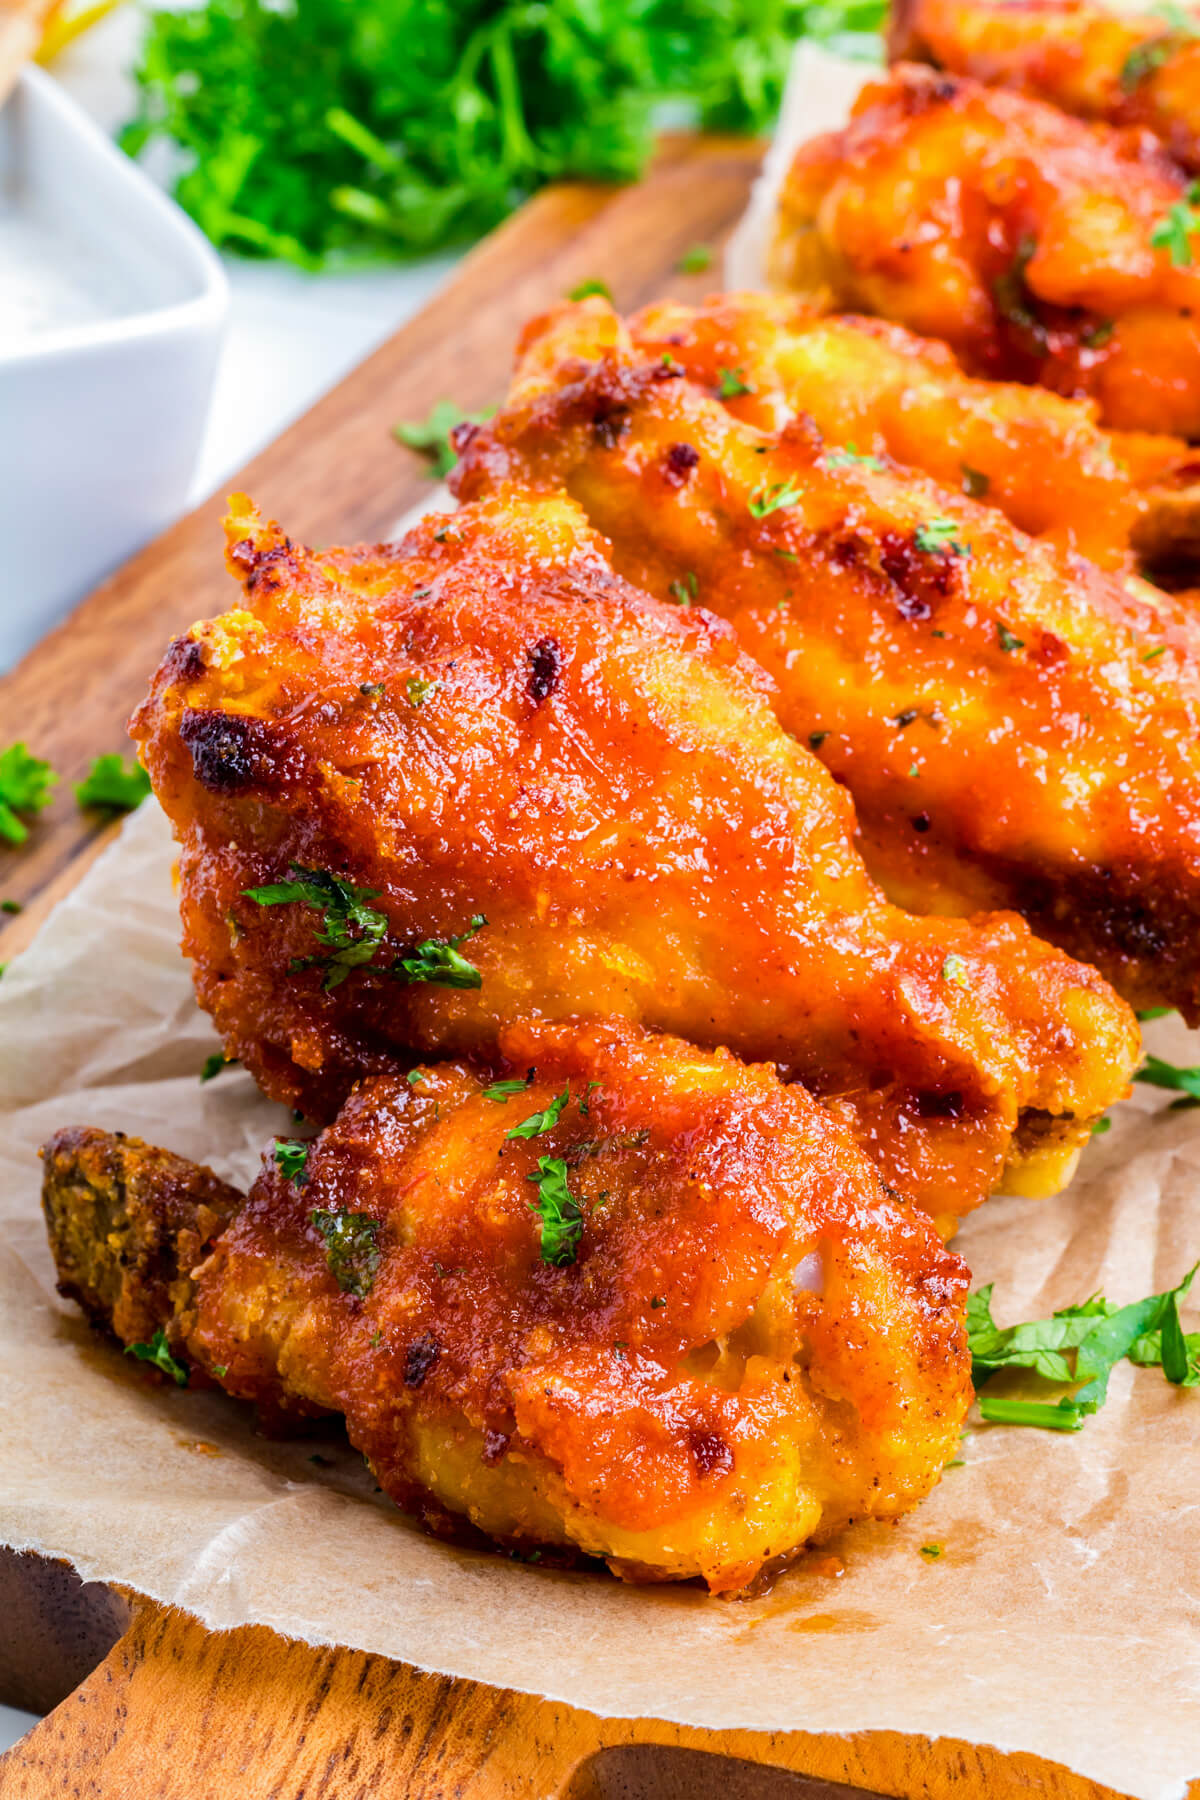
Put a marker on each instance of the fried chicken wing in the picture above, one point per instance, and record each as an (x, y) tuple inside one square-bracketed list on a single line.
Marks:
[(1016, 728), (875, 388), (608, 1294), (1121, 66), (421, 790), (1041, 248)]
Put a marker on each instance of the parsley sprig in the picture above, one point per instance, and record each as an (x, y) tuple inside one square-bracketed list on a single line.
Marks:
[(113, 784), (540, 1122), (560, 1212), (25, 784), (437, 960), (1157, 1072), (352, 1250), (430, 437), (157, 1352), (1178, 226), (331, 129), (1079, 1346), (772, 497), (939, 537), (351, 928)]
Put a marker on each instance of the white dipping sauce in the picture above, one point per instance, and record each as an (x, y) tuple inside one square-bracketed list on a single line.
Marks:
[(51, 280)]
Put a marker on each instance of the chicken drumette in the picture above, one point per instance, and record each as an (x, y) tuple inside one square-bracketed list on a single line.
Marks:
[(1041, 248), (423, 789), (1121, 498), (1123, 66), (1016, 728), (606, 1293)]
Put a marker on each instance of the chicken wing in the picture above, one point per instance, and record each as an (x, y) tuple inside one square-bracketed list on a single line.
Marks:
[(1041, 248), (877, 389), (1124, 67), (424, 789), (607, 1294), (1016, 728)]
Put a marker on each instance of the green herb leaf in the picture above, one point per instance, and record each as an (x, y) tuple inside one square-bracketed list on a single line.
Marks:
[(695, 260), (562, 1219), (113, 783), (351, 1249), (418, 690), (955, 969), (1156, 1072), (12, 907), (216, 1064), (351, 928), (585, 289), (25, 784), (156, 1352), (773, 498), (1008, 640), (1175, 230), (849, 457), (500, 1090), (938, 537), (438, 962), (291, 1159), (684, 591), (733, 384), (539, 1122), (431, 437)]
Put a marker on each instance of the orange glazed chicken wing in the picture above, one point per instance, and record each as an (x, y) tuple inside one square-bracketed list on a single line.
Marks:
[(1016, 728), (1127, 66), (607, 1294), (877, 390), (423, 789), (1041, 248)]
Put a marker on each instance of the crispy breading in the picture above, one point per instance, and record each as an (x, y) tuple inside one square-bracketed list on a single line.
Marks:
[(484, 723), (1017, 729), (753, 1344), (1125, 66), (1019, 235), (877, 389)]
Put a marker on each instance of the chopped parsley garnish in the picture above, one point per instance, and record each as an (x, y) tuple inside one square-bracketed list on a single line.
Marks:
[(156, 1352), (540, 1122), (371, 690), (955, 969), (215, 1064), (431, 437), (1099, 335), (291, 1159), (848, 456), (13, 907), (1176, 229), (25, 784), (351, 928), (1152, 655), (437, 961), (1154, 1012), (1156, 1072), (773, 498), (1150, 55), (1011, 293), (1079, 1346), (684, 591), (585, 289), (415, 1077), (931, 1552), (938, 537), (1101, 1126), (975, 483), (500, 1090), (695, 260), (1008, 640), (114, 784), (418, 690), (733, 384), (351, 1249), (562, 1219)]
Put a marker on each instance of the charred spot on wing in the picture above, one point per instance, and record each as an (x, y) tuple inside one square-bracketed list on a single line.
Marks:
[(939, 1106), (259, 568), (184, 662), (678, 463), (421, 1357), (545, 669), (610, 422), (710, 1453), (231, 752)]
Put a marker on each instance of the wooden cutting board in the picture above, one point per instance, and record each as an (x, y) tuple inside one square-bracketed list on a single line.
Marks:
[(177, 1713)]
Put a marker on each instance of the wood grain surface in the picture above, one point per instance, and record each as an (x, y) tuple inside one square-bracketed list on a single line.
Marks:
[(338, 476), (175, 1712)]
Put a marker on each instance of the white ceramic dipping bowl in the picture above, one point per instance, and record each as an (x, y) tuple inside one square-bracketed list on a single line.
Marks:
[(112, 305)]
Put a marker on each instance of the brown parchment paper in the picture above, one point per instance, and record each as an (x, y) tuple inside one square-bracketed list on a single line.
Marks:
[(1061, 1618)]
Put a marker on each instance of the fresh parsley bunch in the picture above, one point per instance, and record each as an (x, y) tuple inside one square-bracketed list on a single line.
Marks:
[(319, 129)]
